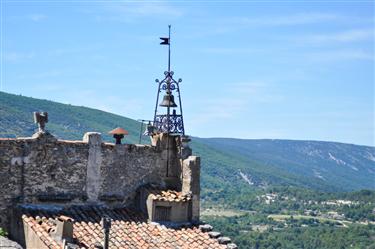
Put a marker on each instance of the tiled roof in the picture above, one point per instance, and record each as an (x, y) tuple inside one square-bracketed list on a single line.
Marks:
[(129, 229), (168, 195)]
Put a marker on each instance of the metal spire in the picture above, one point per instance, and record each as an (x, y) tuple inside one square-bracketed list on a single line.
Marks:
[(171, 122), (169, 48)]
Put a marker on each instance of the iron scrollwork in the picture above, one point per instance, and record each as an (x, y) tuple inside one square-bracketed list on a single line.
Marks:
[(172, 86), (175, 123), (168, 80)]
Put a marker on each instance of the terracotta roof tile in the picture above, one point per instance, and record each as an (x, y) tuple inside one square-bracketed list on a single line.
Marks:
[(129, 229), (168, 195)]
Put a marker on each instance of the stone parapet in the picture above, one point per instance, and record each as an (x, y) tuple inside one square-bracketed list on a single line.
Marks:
[(42, 169)]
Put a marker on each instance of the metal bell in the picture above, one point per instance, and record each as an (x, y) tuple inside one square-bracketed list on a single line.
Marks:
[(168, 100)]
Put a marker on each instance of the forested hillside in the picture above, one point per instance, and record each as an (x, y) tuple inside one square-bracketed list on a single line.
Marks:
[(65, 121), (324, 166), (261, 193), (227, 163)]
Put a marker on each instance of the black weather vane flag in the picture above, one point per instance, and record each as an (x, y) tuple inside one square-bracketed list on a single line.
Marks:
[(165, 41)]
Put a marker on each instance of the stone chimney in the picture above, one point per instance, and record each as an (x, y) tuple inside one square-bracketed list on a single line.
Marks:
[(191, 183), (64, 229), (93, 176)]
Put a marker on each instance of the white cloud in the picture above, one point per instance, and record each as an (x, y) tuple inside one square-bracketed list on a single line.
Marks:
[(226, 51), (41, 75), (62, 51), (256, 92), (345, 36), (234, 101), (36, 17), (225, 25), (16, 57), (252, 87), (133, 11), (284, 20), (338, 55), (151, 9)]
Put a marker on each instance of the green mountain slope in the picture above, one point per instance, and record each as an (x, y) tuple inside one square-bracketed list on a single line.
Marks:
[(65, 121), (226, 163), (324, 166)]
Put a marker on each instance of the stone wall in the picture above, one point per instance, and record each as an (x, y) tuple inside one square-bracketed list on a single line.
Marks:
[(43, 170), (38, 169)]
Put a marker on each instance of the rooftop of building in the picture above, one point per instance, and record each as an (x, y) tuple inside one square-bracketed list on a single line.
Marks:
[(129, 228)]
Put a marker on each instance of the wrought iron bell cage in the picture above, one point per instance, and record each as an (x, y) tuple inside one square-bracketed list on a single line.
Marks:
[(170, 121)]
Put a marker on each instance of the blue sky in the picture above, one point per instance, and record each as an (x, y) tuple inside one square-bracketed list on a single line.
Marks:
[(250, 69)]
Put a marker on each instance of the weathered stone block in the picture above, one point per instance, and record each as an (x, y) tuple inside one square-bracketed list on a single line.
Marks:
[(224, 240), (94, 162), (205, 228), (214, 235), (232, 246)]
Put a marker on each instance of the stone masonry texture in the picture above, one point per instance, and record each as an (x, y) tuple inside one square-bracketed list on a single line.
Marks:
[(43, 170)]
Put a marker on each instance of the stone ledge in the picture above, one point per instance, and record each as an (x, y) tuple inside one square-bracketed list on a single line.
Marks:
[(224, 240), (214, 235), (232, 246), (205, 228)]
